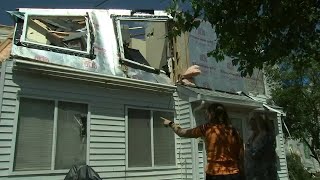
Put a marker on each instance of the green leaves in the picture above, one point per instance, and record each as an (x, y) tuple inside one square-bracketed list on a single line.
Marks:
[(296, 88), (296, 168), (254, 32)]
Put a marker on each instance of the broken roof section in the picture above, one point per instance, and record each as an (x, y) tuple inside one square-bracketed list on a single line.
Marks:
[(6, 33), (5, 48), (111, 42)]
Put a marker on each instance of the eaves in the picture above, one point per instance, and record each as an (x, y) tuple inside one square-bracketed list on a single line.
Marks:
[(47, 69)]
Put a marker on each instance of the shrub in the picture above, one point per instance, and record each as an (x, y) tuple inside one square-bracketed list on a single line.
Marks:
[(296, 168)]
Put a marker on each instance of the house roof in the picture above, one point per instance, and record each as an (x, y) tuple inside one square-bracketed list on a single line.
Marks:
[(5, 31), (6, 34), (5, 48), (200, 94)]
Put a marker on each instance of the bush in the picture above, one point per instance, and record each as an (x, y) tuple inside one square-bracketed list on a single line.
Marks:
[(296, 168)]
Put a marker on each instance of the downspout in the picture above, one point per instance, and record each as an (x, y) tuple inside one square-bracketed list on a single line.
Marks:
[(2, 78), (285, 126)]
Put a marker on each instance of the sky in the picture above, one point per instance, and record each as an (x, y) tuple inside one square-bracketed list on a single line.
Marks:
[(11, 5)]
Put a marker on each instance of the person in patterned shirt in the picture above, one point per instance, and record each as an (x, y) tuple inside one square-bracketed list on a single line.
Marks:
[(223, 144)]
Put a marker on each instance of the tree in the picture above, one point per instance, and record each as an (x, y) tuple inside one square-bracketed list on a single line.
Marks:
[(296, 169), (281, 36), (255, 32), (296, 88)]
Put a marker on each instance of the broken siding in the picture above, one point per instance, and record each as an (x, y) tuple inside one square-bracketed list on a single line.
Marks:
[(107, 124)]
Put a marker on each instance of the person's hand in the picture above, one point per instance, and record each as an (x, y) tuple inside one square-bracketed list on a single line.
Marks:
[(166, 122)]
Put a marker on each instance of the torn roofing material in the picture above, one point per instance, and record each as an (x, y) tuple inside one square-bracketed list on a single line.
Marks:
[(5, 48), (5, 32)]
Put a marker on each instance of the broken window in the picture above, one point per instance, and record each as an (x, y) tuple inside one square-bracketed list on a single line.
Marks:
[(144, 42), (51, 135), (150, 144), (54, 33)]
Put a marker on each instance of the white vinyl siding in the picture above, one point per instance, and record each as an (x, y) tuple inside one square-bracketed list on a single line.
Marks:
[(106, 148), (184, 145)]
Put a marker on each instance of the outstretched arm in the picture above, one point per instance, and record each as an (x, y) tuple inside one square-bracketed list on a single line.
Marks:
[(189, 133)]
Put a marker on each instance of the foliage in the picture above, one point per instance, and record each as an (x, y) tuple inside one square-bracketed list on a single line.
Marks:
[(297, 90), (296, 169), (255, 32)]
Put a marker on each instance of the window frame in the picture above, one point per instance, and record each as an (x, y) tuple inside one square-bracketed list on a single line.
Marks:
[(120, 48), (54, 138), (90, 37), (153, 167), (243, 118)]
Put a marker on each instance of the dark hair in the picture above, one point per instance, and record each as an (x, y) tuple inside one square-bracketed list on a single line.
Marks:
[(218, 114)]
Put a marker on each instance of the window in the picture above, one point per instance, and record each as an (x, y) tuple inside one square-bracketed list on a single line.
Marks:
[(144, 42), (150, 144), (237, 123), (41, 146), (58, 33)]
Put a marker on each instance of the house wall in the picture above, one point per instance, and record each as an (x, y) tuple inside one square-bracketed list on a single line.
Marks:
[(184, 147), (2, 70), (282, 164), (107, 134)]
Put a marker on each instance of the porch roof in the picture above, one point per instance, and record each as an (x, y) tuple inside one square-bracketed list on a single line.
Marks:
[(200, 94)]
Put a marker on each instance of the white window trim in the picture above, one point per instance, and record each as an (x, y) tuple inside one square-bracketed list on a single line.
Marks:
[(25, 23), (14, 139), (243, 118), (152, 145), (120, 40)]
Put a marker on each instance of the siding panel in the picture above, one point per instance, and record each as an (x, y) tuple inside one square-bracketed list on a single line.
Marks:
[(183, 144), (107, 124)]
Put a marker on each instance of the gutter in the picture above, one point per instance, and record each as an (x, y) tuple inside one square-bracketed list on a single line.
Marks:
[(274, 110), (194, 96), (231, 101), (72, 73)]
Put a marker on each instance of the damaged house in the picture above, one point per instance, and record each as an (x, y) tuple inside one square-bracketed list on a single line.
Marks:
[(89, 87)]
